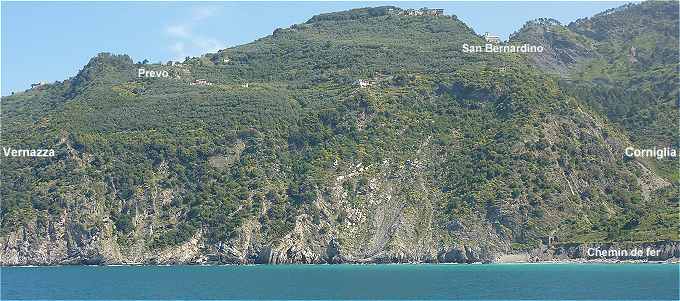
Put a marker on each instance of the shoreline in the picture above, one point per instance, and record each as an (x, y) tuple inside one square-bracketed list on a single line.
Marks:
[(665, 252), (551, 262)]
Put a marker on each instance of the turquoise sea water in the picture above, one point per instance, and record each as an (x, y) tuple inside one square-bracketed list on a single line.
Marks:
[(345, 282)]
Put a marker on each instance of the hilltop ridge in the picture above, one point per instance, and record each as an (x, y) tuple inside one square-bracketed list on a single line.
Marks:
[(353, 14)]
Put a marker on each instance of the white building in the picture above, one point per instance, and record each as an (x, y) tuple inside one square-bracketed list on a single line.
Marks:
[(491, 38), (363, 83), (200, 82), (38, 84)]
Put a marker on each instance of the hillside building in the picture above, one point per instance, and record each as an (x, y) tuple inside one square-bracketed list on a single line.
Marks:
[(200, 82), (491, 38), (38, 84), (363, 83)]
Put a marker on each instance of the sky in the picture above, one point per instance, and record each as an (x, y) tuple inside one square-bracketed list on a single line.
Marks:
[(52, 41)]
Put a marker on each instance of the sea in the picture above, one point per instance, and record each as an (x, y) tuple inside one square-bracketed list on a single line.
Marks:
[(345, 282)]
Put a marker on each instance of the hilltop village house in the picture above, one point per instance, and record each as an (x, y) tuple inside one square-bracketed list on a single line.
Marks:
[(491, 39), (38, 84), (418, 12)]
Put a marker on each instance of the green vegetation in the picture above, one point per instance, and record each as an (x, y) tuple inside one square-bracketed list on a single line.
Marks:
[(485, 135)]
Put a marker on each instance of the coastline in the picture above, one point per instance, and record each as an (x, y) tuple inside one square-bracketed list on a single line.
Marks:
[(546, 262), (564, 253)]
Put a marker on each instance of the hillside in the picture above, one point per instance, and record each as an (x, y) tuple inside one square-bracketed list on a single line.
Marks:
[(358, 136), (622, 62)]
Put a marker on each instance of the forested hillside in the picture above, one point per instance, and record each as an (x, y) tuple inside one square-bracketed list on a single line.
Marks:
[(623, 64), (358, 136)]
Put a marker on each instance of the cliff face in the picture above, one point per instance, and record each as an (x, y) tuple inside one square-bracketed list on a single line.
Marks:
[(302, 246), (662, 250), (383, 213), (356, 137), (387, 229), (563, 49)]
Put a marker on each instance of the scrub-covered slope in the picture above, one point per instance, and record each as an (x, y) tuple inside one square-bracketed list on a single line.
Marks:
[(622, 62), (359, 136)]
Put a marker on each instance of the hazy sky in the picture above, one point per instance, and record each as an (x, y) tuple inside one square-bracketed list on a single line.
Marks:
[(51, 41)]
